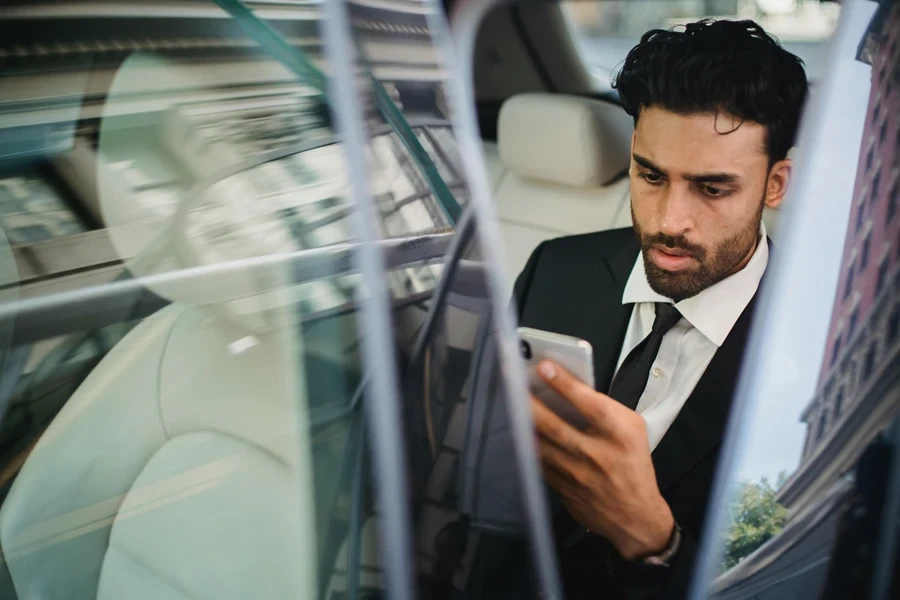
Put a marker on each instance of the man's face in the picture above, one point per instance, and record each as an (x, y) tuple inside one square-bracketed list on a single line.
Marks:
[(697, 197)]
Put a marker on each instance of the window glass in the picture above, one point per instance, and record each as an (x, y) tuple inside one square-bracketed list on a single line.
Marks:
[(893, 198), (882, 275), (848, 284), (819, 423), (606, 31), (864, 257), (469, 503), (181, 375)]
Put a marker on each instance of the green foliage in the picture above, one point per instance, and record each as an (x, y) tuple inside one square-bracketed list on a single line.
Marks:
[(756, 518)]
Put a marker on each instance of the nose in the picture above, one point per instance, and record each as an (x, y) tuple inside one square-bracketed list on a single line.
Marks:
[(675, 211)]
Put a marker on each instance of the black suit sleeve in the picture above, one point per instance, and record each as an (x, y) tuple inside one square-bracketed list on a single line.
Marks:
[(639, 582), (669, 584), (523, 281)]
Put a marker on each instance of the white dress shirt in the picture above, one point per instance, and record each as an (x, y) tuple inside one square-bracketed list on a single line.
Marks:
[(690, 345)]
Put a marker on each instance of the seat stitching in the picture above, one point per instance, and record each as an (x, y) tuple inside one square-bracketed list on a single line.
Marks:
[(159, 376)]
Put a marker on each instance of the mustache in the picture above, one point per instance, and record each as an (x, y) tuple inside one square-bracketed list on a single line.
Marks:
[(672, 241)]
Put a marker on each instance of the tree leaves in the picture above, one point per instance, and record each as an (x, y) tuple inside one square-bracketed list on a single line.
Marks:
[(756, 518)]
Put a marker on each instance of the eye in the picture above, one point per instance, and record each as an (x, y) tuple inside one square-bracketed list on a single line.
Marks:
[(650, 177), (712, 191)]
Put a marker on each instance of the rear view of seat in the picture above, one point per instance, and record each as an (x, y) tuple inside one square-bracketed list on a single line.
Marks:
[(558, 168)]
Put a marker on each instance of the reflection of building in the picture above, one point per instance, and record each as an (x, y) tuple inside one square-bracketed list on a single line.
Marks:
[(858, 394), (232, 98), (209, 99)]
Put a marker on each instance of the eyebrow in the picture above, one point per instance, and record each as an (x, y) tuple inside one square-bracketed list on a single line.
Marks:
[(696, 178)]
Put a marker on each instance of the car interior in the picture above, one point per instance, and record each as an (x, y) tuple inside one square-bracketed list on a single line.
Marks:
[(535, 101), (204, 438)]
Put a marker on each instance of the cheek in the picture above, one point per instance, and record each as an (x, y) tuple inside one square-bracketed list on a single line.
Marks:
[(737, 214), (723, 221), (644, 207)]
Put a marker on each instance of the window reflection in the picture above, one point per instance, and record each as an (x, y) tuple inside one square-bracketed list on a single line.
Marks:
[(187, 420)]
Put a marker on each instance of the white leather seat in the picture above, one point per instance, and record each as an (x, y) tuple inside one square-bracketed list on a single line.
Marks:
[(558, 168), (179, 469)]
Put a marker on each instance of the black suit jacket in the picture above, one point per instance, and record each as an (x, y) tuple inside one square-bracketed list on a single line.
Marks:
[(574, 286)]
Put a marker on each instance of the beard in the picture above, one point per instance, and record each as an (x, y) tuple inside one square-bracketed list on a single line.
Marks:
[(713, 263)]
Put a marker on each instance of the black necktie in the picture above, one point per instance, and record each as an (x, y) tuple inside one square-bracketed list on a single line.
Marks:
[(631, 379)]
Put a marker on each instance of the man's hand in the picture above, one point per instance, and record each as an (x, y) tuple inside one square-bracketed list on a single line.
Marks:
[(605, 474)]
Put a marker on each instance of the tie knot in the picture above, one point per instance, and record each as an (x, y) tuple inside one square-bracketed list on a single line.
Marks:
[(666, 317)]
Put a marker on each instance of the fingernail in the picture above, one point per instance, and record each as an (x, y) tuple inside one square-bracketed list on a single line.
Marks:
[(547, 370)]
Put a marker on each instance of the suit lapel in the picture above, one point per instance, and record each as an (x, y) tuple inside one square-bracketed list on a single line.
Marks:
[(699, 427), (610, 316)]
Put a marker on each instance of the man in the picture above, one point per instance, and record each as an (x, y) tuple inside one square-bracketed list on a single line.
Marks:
[(666, 305)]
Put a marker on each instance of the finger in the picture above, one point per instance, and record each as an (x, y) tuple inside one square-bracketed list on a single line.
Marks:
[(554, 430), (597, 408), (556, 479), (559, 458)]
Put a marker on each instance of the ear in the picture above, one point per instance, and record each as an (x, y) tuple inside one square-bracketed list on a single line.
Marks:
[(777, 183)]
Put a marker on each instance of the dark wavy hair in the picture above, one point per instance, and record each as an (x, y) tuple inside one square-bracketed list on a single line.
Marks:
[(731, 67)]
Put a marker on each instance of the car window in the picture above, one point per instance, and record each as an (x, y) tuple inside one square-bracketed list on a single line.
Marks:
[(472, 510), (805, 501), (605, 31), (182, 353)]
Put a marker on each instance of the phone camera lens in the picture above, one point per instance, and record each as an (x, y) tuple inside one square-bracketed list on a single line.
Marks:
[(525, 349)]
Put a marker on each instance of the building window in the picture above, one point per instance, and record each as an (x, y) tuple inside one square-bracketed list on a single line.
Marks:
[(823, 423), (869, 362), (838, 402), (864, 256), (882, 276), (851, 328), (882, 135), (893, 325), (848, 285), (870, 158), (892, 202), (860, 214), (876, 112), (876, 185), (836, 352)]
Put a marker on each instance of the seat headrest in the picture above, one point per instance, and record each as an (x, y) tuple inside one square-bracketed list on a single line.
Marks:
[(566, 140)]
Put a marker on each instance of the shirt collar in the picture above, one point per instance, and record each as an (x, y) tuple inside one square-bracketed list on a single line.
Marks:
[(715, 310)]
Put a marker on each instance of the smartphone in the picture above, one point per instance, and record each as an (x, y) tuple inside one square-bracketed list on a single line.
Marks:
[(573, 354)]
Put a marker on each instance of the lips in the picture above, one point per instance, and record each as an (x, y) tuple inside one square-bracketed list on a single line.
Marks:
[(670, 259)]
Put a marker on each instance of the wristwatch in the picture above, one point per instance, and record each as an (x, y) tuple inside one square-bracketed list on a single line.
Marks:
[(664, 558)]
